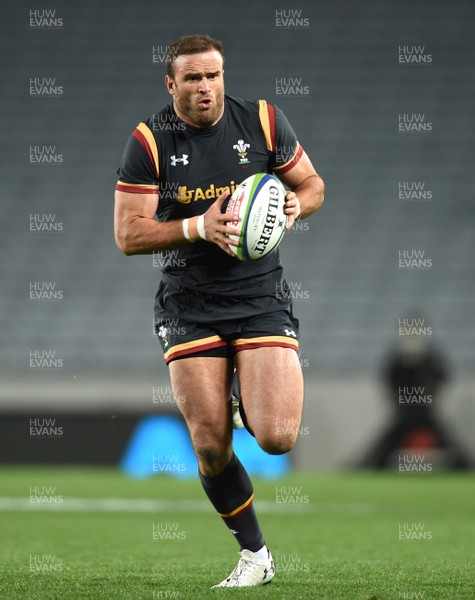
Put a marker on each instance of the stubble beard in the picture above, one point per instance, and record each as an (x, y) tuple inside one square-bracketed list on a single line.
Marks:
[(197, 116)]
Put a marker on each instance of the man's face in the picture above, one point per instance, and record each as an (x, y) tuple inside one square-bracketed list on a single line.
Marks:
[(197, 88)]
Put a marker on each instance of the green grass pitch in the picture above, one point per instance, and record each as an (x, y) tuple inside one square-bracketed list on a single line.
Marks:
[(339, 535)]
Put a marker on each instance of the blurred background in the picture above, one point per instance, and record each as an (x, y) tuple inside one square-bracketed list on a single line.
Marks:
[(381, 96)]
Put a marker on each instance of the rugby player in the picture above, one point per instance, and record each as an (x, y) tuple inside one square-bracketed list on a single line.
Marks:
[(214, 312)]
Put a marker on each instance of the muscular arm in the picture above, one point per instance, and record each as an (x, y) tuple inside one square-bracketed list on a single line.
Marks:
[(137, 232), (135, 229), (307, 185)]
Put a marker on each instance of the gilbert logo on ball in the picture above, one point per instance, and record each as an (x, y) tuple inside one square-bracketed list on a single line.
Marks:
[(258, 204)]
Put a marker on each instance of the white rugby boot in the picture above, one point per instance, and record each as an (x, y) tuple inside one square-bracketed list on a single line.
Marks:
[(237, 409), (249, 571), (235, 402), (237, 420)]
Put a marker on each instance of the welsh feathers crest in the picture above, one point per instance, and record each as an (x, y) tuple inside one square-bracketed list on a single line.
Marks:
[(241, 148)]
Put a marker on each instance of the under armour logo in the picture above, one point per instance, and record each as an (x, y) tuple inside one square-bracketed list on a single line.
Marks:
[(290, 332), (183, 159)]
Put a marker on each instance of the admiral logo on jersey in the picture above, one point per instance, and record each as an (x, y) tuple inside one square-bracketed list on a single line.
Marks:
[(185, 196)]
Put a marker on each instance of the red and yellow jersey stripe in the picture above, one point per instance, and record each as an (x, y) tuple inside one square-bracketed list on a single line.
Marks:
[(136, 188), (145, 137), (267, 119), (290, 163)]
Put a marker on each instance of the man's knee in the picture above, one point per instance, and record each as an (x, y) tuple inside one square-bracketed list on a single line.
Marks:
[(276, 442), (213, 458)]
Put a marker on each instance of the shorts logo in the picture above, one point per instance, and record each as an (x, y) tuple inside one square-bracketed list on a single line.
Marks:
[(241, 148), (183, 159), (290, 333), (163, 335)]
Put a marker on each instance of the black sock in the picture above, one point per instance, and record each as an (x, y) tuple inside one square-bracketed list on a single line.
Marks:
[(231, 493)]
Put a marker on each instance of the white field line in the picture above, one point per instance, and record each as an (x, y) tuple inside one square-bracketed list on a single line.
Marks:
[(186, 506)]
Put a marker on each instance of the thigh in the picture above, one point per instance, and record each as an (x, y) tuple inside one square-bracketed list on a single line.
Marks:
[(203, 387), (271, 384)]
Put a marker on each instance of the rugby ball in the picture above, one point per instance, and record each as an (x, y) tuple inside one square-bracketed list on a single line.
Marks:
[(258, 204)]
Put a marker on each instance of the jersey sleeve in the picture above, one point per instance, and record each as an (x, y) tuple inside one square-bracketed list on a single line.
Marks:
[(281, 140), (139, 170)]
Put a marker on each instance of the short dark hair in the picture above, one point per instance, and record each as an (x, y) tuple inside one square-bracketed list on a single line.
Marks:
[(191, 44)]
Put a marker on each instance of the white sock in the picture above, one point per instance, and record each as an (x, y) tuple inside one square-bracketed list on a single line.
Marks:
[(262, 554)]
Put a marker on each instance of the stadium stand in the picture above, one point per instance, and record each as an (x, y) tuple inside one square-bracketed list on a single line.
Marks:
[(343, 263)]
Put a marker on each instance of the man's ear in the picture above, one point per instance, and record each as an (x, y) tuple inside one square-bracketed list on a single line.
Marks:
[(170, 83)]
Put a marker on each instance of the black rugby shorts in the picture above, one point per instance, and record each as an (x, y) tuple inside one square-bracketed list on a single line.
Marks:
[(189, 323)]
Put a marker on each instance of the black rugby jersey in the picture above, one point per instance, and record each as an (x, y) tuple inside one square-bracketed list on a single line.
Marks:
[(190, 167)]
